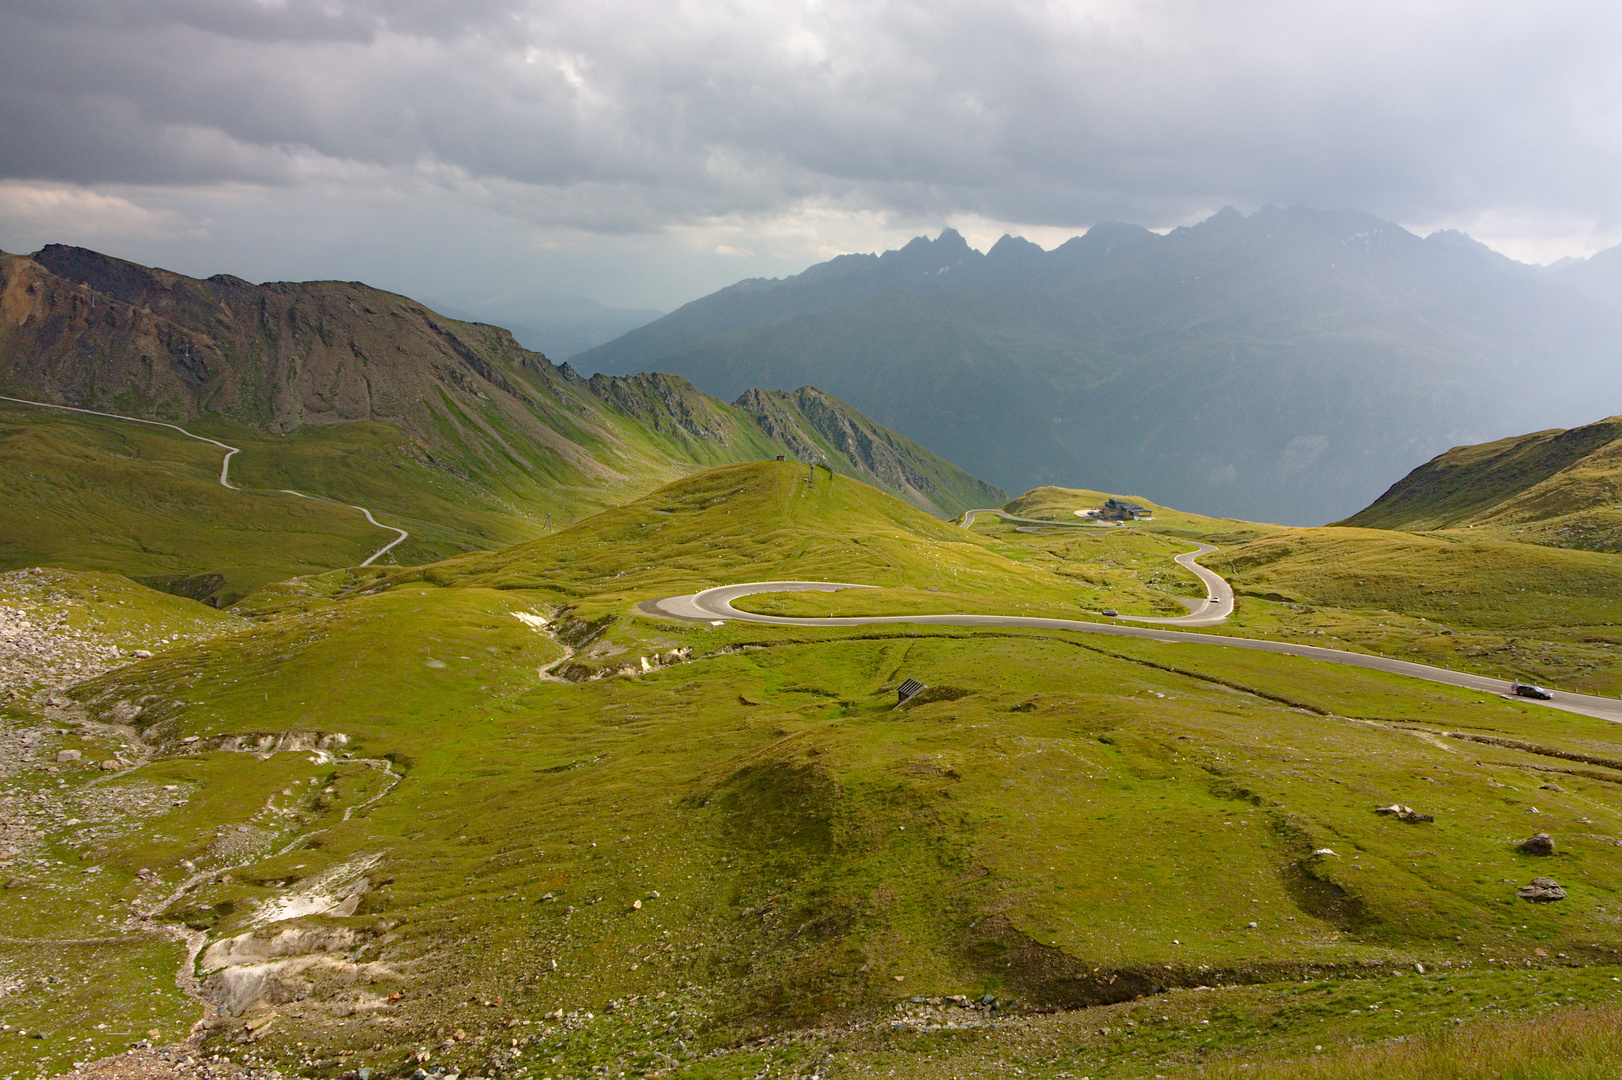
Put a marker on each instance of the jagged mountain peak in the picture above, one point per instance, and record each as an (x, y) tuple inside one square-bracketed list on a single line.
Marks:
[(1275, 365)]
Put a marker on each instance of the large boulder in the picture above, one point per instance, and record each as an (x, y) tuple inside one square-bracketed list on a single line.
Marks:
[(1537, 844), (1541, 891)]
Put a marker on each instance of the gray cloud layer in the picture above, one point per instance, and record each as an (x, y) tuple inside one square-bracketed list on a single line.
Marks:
[(625, 116), (1026, 111)]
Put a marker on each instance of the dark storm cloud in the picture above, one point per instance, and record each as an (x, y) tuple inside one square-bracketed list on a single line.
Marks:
[(631, 115)]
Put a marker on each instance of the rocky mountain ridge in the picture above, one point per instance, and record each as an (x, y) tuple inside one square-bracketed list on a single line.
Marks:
[(923, 267), (78, 327)]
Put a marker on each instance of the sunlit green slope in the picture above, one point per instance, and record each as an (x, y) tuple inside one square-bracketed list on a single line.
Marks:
[(448, 429), (701, 835), (1561, 488)]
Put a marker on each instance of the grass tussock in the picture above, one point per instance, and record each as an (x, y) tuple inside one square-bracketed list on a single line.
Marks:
[(1573, 1044)]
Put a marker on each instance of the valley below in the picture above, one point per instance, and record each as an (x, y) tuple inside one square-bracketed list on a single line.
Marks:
[(381, 701), (502, 815)]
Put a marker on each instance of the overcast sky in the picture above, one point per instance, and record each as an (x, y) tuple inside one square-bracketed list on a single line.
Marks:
[(645, 152)]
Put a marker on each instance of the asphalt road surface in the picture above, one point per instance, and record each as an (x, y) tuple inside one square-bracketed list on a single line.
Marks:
[(716, 604), (1214, 608), (225, 465), (968, 521)]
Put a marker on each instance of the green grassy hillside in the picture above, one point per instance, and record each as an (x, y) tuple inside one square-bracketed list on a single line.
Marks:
[(449, 429), (1063, 504), (1562, 488), (763, 521), (108, 495), (814, 426), (1501, 607), (492, 811)]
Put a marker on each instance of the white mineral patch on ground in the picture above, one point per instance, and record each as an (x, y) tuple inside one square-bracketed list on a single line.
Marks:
[(334, 892)]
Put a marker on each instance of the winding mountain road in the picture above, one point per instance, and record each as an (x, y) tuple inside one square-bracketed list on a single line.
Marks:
[(1215, 608), (225, 465), (1218, 602), (716, 604), (968, 521)]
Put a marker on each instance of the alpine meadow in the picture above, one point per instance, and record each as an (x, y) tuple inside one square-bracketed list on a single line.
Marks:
[(810, 541)]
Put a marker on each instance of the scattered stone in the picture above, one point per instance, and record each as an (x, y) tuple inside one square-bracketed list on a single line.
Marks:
[(141, 654), (1405, 813), (1537, 844), (65, 756), (1541, 891)]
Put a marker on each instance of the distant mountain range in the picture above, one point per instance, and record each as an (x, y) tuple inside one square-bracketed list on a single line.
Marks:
[(1281, 366), (922, 268)]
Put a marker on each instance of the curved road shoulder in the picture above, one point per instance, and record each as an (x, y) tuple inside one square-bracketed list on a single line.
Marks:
[(716, 604), (225, 465)]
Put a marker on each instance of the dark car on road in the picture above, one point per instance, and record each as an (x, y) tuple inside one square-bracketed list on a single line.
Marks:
[(1531, 691)]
